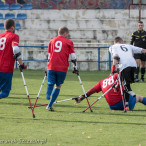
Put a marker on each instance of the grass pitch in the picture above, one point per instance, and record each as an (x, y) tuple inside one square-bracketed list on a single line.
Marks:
[(68, 126)]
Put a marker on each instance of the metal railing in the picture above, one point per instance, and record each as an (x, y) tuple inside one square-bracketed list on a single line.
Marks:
[(98, 60)]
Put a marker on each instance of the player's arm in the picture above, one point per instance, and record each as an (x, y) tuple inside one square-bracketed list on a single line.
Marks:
[(132, 39), (17, 56), (143, 50), (116, 60), (74, 62)]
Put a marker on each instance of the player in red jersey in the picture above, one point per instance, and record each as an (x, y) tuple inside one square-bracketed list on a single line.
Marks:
[(113, 97), (9, 51), (59, 49)]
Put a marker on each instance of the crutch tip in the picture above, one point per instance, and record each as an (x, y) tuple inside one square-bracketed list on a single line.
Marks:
[(33, 115), (125, 110), (91, 111)]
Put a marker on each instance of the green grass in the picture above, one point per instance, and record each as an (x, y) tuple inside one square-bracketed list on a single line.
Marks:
[(68, 126)]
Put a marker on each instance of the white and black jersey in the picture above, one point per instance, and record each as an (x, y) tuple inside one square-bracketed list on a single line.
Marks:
[(125, 52)]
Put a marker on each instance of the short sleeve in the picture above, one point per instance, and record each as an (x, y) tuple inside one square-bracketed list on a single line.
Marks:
[(15, 41), (71, 45)]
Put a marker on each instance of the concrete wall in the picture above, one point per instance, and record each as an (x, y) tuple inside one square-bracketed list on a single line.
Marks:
[(86, 26)]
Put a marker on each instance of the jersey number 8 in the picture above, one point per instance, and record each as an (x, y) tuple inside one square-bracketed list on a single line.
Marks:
[(2, 43)]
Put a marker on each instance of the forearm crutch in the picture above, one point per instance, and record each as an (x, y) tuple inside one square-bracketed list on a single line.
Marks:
[(84, 92), (118, 68), (26, 90), (40, 89), (54, 102), (122, 93), (102, 95)]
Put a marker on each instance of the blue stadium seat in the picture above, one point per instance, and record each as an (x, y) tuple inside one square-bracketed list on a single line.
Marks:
[(21, 16), (4, 6), (1, 16), (2, 26), (18, 26), (15, 7), (9, 16), (1, 2), (27, 7)]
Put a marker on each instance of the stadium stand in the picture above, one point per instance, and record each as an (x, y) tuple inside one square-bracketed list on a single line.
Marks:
[(15, 7), (9, 16), (1, 2), (4, 6), (18, 26), (2, 26), (21, 16), (27, 7), (1, 16)]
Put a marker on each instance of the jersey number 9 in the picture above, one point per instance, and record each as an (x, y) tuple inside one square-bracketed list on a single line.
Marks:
[(58, 46)]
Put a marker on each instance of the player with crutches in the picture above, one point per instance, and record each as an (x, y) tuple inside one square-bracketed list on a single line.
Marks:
[(9, 48), (110, 87), (125, 53), (59, 49)]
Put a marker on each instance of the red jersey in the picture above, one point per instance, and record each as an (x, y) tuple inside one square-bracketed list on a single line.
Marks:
[(111, 97), (59, 49), (7, 41)]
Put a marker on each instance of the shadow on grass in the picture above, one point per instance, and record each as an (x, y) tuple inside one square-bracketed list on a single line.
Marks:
[(77, 121)]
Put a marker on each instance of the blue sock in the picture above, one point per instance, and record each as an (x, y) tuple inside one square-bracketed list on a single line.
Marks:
[(144, 100), (55, 94), (4, 94), (49, 91)]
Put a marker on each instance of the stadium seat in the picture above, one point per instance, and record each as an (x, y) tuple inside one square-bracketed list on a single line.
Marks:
[(18, 26), (27, 7), (9, 16), (15, 7), (21, 16), (2, 26), (4, 6), (1, 2), (1, 16)]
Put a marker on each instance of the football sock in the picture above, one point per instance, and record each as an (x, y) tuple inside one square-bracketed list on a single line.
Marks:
[(49, 91), (144, 100), (137, 72), (4, 94), (55, 94), (142, 73), (126, 97)]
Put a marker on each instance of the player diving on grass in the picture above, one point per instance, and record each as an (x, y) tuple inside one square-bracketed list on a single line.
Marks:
[(113, 97), (59, 49), (9, 51)]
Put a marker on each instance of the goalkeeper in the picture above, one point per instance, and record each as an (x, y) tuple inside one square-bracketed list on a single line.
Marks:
[(59, 49), (113, 97)]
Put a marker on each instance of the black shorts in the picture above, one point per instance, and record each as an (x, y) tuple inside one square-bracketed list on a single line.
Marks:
[(142, 57), (127, 75)]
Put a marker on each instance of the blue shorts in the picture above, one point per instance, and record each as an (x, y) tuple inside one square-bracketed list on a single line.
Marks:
[(55, 77), (119, 105), (5, 81)]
